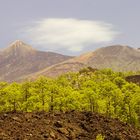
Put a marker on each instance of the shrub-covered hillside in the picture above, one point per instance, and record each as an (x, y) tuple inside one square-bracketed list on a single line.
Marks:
[(102, 91)]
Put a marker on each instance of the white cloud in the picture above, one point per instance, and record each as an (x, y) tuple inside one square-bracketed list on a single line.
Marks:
[(68, 33)]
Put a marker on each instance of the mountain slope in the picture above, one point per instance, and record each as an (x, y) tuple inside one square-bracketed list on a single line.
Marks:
[(20, 59), (117, 57)]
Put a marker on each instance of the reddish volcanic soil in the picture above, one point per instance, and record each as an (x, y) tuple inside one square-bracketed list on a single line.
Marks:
[(70, 125)]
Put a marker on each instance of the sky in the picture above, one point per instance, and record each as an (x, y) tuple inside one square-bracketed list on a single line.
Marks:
[(70, 27)]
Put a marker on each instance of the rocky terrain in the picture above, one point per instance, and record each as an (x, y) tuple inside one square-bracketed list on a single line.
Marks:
[(70, 125)]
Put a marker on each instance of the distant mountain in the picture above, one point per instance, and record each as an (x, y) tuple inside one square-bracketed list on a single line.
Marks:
[(19, 60), (117, 57)]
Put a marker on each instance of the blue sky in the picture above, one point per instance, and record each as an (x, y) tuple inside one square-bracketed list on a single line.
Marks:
[(70, 26)]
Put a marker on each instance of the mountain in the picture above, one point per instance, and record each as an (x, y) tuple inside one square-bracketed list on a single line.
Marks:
[(116, 57), (20, 59)]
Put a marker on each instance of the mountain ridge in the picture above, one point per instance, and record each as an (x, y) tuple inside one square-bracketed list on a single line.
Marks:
[(116, 57), (20, 59)]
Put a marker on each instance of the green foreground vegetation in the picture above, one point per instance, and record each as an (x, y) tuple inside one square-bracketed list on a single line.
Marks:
[(101, 91)]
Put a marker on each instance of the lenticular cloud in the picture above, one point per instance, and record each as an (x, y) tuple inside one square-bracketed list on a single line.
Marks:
[(68, 33)]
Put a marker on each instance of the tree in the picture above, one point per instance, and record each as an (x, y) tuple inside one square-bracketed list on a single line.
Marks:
[(2, 95), (91, 91), (131, 99), (112, 95), (13, 97), (26, 94), (41, 89)]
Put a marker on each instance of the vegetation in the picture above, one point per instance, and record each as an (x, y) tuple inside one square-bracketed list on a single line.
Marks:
[(99, 137), (102, 91)]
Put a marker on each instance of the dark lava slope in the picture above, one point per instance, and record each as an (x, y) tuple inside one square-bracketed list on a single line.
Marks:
[(70, 125)]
